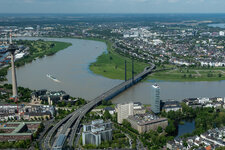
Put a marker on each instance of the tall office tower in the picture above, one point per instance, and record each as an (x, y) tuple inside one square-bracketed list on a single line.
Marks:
[(124, 110), (155, 98), (12, 48)]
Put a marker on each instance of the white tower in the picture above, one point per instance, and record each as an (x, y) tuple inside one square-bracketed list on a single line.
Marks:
[(12, 48)]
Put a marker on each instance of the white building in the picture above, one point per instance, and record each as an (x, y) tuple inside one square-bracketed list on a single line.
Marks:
[(29, 28), (182, 63), (221, 33), (19, 55), (126, 35), (157, 42), (215, 64), (124, 110), (96, 132), (203, 100)]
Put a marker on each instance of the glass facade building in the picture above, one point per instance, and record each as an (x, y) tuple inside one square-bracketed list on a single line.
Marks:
[(155, 98)]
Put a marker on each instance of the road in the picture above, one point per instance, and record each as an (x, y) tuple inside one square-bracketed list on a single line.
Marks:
[(78, 137), (105, 95), (73, 120)]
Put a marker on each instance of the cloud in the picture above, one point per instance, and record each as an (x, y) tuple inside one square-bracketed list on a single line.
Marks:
[(141, 0), (173, 1), (112, 6), (28, 1)]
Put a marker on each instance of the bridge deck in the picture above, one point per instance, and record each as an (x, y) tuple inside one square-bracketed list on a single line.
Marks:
[(77, 115)]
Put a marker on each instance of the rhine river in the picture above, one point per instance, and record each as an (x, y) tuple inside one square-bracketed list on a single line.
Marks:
[(71, 67)]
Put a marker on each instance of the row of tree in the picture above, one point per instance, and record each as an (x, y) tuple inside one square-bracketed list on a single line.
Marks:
[(18, 144)]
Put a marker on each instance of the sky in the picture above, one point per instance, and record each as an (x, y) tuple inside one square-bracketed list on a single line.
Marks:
[(112, 6)]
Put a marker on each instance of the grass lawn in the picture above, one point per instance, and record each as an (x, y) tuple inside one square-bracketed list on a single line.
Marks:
[(111, 65), (192, 74)]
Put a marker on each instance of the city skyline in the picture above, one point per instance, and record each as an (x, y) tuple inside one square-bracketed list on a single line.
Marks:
[(112, 74), (112, 6)]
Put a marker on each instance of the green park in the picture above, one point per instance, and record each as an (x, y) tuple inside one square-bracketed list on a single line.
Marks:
[(111, 64)]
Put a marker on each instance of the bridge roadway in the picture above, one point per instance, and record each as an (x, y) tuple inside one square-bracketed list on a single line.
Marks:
[(47, 141), (73, 119), (108, 95)]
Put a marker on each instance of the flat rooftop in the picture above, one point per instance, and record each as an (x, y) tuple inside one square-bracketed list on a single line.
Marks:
[(146, 119), (16, 129)]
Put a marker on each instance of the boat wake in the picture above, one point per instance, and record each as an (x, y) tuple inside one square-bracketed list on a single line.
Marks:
[(53, 78)]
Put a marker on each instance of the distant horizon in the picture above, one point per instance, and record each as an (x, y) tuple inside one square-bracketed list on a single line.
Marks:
[(112, 6), (32, 18), (54, 13)]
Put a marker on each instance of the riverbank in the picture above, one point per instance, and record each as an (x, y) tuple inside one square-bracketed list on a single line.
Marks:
[(111, 65), (76, 78), (190, 74), (38, 49)]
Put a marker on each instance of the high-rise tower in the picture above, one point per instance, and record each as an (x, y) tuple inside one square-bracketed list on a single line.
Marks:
[(12, 48), (124, 110), (155, 98)]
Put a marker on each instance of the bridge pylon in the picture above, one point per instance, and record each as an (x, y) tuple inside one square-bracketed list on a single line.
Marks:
[(132, 69), (125, 70)]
